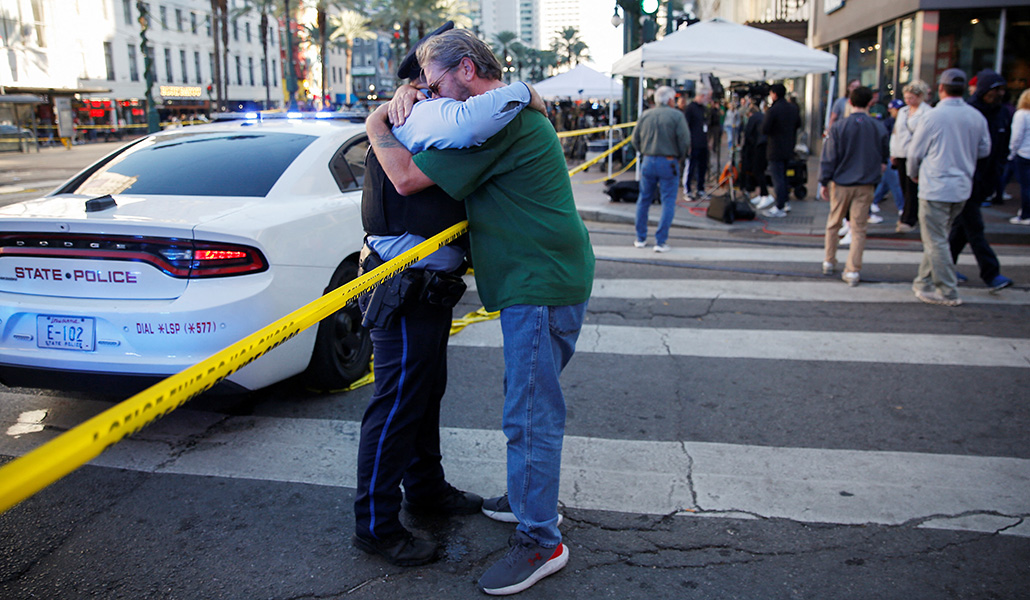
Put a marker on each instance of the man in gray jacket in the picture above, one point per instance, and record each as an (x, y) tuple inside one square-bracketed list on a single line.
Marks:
[(663, 141), (854, 157), (941, 159)]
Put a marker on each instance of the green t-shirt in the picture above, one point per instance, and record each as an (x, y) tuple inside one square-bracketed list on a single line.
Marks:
[(529, 245)]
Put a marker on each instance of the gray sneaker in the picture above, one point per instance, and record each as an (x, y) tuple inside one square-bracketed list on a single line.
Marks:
[(525, 563), (499, 509)]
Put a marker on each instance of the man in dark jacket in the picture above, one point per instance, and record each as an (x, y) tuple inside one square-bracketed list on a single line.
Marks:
[(698, 124), (780, 126), (969, 226)]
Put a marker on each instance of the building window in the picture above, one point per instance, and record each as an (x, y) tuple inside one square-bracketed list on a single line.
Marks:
[(235, 31), (211, 64), (178, 19), (264, 73), (133, 68), (168, 65), (193, 22), (182, 63), (275, 74), (164, 17), (250, 69), (127, 11), (196, 65), (109, 61), (968, 40), (239, 71), (207, 24), (246, 29)]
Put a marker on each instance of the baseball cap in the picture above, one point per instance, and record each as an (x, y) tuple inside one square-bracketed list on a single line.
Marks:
[(896, 104), (953, 77), (409, 67)]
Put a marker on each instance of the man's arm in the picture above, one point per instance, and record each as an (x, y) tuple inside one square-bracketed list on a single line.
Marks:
[(917, 149), (448, 123), (984, 148), (393, 156)]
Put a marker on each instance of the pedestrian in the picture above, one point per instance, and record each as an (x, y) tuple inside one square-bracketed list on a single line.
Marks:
[(890, 181), (697, 168), (905, 125), (662, 139), (1019, 154), (780, 126), (841, 106), (968, 227), (533, 263), (731, 125), (753, 158), (941, 158), (409, 318), (854, 156)]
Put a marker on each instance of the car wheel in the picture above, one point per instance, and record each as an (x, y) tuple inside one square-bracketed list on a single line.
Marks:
[(343, 347)]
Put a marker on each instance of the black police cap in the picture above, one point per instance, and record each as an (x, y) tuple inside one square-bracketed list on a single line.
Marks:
[(409, 68)]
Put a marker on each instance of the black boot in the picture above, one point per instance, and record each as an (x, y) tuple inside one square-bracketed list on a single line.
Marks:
[(402, 549)]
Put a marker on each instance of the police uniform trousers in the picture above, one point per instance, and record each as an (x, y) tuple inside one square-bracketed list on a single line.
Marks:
[(400, 432)]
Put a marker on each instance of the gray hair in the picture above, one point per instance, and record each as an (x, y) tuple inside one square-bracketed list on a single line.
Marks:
[(663, 94), (702, 90), (448, 48), (917, 87)]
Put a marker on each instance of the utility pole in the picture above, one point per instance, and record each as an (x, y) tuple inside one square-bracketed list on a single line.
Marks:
[(153, 122), (291, 75)]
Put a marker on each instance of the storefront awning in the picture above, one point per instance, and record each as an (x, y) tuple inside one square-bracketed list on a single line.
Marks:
[(20, 99), (14, 89)]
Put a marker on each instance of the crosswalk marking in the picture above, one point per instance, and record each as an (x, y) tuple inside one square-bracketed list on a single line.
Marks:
[(778, 254), (631, 476), (831, 290), (889, 348)]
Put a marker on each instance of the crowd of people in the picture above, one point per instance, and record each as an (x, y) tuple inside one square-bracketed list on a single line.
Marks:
[(870, 150)]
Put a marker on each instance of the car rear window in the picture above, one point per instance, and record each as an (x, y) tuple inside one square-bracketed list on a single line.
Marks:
[(208, 164)]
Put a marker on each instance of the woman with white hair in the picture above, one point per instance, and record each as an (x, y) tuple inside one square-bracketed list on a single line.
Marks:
[(908, 119)]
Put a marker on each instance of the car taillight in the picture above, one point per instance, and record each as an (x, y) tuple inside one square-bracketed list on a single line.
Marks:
[(177, 257)]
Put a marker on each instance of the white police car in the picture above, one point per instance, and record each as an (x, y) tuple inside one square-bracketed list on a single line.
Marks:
[(181, 243)]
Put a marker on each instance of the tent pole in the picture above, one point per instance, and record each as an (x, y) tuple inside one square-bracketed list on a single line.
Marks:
[(829, 100), (640, 111)]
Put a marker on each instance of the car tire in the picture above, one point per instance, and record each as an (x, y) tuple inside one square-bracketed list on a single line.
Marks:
[(343, 348)]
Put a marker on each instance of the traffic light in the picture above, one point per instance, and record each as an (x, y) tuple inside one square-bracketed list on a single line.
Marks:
[(649, 7)]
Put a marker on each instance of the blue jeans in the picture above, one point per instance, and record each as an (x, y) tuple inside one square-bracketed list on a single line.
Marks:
[(1022, 167), (538, 343), (890, 182), (661, 174)]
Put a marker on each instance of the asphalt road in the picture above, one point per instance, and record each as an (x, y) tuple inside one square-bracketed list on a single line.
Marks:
[(699, 462)]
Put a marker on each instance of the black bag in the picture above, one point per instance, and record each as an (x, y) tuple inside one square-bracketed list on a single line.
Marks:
[(721, 208), (622, 191)]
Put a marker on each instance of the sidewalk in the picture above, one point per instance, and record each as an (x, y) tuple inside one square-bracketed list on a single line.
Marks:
[(807, 217)]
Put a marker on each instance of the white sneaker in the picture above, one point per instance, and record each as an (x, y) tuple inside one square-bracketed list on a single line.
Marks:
[(786, 207), (874, 208), (850, 278), (1016, 220), (875, 219), (775, 213), (844, 229), (662, 248), (828, 268), (639, 244), (846, 240), (765, 202)]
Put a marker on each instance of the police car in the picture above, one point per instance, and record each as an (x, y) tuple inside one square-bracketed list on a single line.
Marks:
[(181, 243)]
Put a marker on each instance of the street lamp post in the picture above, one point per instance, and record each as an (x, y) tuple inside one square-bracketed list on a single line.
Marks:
[(291, 74), (153, 122)]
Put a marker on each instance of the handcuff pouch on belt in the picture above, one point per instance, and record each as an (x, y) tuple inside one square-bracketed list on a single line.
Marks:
[(400, 294)]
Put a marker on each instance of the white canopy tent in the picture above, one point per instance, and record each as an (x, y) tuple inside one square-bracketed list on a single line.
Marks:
[(581, 82), (723, 49), (727, 50)]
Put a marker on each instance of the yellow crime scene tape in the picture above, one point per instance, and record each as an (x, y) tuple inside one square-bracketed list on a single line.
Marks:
[(25, 476)]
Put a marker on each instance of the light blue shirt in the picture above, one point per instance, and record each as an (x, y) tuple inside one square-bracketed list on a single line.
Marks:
[(945, 148), (449, 123)]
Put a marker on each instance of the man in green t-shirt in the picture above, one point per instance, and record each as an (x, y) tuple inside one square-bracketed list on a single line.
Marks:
[(534, 263)]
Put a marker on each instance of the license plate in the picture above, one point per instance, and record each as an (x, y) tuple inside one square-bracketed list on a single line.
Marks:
[(65, 333)]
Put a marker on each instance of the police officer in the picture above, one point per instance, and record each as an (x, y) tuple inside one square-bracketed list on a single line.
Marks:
[(410, 318)]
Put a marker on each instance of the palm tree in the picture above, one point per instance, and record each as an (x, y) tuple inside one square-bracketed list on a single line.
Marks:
[(568, 46), (578, 50), (345, 28), (419, 16), (502, 45), (263, 8)]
